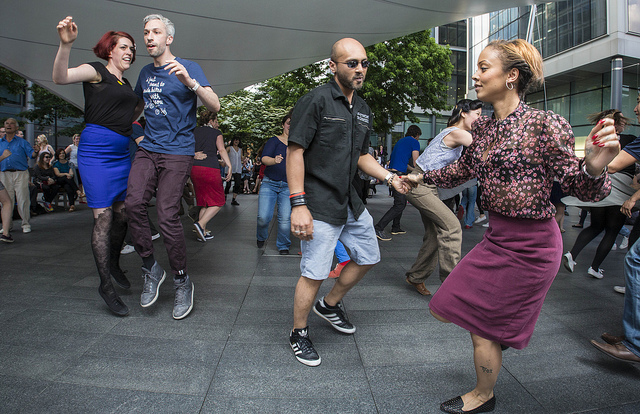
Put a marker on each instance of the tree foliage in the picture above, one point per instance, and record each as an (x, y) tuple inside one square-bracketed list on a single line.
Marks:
[(48, 107), (284, 90), (407, 72), (250, 117), (14, 84)]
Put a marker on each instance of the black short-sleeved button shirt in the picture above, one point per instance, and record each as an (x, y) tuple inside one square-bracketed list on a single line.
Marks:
[(334, 134)]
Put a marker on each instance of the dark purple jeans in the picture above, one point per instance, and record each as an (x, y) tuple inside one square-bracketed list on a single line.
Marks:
[(165, 175)]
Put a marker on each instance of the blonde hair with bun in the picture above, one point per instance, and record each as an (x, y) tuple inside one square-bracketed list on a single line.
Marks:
[(521, 55)]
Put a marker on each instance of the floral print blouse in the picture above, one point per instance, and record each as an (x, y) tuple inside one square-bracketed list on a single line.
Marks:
[(516, 160)]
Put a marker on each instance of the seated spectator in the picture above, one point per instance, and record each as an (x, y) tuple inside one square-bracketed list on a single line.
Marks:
[(45, 179), (64, 177)]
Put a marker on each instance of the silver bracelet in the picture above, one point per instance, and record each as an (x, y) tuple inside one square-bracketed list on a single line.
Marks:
[(195, 87), (604, 171)]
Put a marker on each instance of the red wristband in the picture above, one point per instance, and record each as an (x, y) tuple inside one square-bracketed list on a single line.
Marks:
[(297, 194)]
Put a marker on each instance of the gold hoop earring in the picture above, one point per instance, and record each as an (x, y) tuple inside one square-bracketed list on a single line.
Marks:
[(509, 85)]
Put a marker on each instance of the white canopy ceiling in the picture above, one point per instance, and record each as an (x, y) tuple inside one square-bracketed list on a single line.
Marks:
[(237, 43)]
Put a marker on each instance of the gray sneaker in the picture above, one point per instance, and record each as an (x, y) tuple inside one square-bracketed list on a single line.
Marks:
[(184, 298), (152, 279)]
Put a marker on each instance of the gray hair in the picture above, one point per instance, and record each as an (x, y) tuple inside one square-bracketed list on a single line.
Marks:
[(171, 29)]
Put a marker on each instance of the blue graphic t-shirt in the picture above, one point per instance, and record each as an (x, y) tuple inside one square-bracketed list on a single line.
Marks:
[(169, 108)]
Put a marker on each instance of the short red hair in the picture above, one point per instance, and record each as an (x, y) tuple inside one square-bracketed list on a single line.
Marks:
[(108, 41)]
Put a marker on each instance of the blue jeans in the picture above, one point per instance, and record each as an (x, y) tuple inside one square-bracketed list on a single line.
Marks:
[(631, 314), (469, 203), (272, 192)]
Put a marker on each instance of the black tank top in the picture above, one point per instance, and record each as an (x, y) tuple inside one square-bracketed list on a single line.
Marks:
[(109, 103)]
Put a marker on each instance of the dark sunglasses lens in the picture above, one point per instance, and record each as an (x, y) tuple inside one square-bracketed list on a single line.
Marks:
[(352, 64)]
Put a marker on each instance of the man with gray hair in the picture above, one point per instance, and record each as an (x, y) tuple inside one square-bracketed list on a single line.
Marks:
[(14, 170), (170, 87)]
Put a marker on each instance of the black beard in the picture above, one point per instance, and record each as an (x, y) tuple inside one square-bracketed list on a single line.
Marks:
[(348, 82)]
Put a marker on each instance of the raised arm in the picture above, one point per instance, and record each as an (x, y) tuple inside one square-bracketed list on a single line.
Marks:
[(62, 74)]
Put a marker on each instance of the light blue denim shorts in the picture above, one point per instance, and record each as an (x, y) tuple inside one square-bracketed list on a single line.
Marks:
[(358, 236)]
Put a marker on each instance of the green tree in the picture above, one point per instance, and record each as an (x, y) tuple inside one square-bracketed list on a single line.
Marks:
[(49, 108), (250, 117), (284, 90), (12, 83), (406, 72)]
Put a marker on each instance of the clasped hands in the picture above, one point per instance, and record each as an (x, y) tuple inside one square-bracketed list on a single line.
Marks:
[(405, 183)]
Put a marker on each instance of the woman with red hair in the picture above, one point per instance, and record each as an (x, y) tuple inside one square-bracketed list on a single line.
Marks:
[(111, 106)]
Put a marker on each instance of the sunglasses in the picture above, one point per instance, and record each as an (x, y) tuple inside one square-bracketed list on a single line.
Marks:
[(352, 64)]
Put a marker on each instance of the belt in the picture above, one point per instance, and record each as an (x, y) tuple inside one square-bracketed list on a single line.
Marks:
[(12, 170)]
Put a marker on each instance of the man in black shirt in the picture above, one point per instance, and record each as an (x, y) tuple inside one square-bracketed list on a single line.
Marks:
[(328, 142)]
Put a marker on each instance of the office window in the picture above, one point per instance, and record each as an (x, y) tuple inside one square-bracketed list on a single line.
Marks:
[(566, 24), (584, 104), (453, 34), (634, 16)]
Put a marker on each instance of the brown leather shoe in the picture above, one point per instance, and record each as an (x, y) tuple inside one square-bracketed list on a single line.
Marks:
[(617, 351), (611, 339), (420, 287)]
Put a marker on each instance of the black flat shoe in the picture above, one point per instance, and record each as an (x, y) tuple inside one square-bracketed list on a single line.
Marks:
[(120, 278), (114, 302), (455, 405)]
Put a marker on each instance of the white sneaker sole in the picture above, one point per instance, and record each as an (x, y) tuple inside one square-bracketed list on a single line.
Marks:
[(193, 289), (336, 327), (164, 275), (305, 361)]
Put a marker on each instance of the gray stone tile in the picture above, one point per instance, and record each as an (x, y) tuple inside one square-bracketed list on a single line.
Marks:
[(72, 398), (584, 392), (19, 361), (355, 404), (272, 370), (155, 375), (15, 392)]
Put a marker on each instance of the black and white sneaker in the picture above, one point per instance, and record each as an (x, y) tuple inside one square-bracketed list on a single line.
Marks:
[(199, 231), (335, 316), (303, 348)]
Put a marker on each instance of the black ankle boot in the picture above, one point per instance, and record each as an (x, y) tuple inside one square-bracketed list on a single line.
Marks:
[(114, 302)]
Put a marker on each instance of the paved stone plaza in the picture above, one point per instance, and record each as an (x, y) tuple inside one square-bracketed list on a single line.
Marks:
[(62, 351)]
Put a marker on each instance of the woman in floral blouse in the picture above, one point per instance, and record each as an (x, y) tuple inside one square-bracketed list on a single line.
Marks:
[(497, 290)]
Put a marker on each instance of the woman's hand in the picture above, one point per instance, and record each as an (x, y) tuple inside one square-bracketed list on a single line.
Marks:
[(67, 30), (601, 146), (413, 179)]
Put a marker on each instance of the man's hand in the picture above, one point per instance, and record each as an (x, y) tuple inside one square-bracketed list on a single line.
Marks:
[(302, 223), (627, 206), (400, 185), (6, 153), (175, 67), (412, 179)]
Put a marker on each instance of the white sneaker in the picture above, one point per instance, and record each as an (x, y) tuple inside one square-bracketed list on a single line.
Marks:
[(598, 275), (26, 228), (485, 225), (568, 262), (127, 249), (614, 247), (480, 219), (155, 236), (624, 243), (619, 289)]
